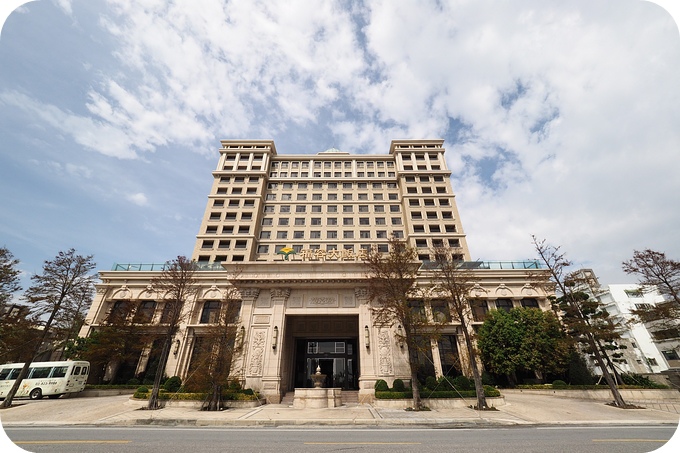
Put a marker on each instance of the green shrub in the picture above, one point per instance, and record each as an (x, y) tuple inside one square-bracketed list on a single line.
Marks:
[(431, 382), (642, 381), (133, 381), (558, 384), (248, 392), (381, 386), (445, 383), (462, 383), (491, 392), (235, 385), (398, 386), (173, 384), (143, 389)]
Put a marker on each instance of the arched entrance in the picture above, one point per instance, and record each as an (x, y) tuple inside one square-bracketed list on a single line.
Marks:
[(329, 342)]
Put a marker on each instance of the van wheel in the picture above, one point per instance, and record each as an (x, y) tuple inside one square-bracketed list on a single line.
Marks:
[(54, 397), (35, 394)]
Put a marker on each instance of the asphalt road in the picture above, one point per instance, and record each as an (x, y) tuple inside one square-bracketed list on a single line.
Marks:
[(293, 440)]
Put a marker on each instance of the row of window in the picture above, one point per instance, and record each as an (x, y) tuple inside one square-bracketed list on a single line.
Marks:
[(330, 197), (143, 312), (318, 164), (302, 208), (329, 174), (331, 221)]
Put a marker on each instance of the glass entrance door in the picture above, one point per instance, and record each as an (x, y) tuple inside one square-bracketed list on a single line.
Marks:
[(335, 358)]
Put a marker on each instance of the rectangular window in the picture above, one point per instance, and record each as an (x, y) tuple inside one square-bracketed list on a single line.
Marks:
[(315, 234), (348, 221), (332, 221), (331, 234), (299, 221), (300, 208), (281, 235), (283, 221), (348, 234), (316, 221), (298, 234)]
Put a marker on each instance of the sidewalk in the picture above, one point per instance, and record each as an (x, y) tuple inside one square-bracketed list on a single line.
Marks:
[(520, 409)]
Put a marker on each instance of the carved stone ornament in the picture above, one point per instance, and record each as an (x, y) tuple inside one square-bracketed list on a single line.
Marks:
[(385, 352), (257, 357), (250, 293), (361, 293), (280, 292)]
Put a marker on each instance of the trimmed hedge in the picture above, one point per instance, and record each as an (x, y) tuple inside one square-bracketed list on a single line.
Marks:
[(488, 392), (227, 396), (582, 387), (110, 386)]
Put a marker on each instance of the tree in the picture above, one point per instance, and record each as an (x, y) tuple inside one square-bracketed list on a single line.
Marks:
[(585, 320), (215, 349), (118, 339), (175, 285), (523, 340), (64, 283), (657, 272), (397, 299), (454, 284), (9, 277)]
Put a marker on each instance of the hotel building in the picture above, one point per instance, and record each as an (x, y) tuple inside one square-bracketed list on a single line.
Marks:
[(296, 228)]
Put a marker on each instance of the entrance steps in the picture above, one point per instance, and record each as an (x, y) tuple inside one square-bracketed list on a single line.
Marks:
[(349, 398)]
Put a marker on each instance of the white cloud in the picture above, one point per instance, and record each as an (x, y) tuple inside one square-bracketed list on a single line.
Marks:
[(568, 111), (139, 199)]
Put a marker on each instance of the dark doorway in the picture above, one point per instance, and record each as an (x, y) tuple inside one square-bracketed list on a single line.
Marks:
[(336, 358)]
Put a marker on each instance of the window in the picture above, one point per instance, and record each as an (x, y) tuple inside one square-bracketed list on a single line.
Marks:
[(299, 221), (247, 216), (348, 221), (281, 235), (347, 185), (301, 196), (331, 234), (383, 248), (234, 203), (394, 208), (332, 221), (268, 209), (285, 209), (529, 303), (450, 228), (440, 311), (316, 221), (298, 234), (365, 234), (398, 234), (347, 196), (316, 208), (283, 221), (286, 197), (377, 196), (363, 208), (332, 208), (241, 244), (363, 196), (265, 234), (414, 202), (263, 249), (479, 309), (207, 244), (347, 208), (504, 304), (316, 197), (315, 234), (211, 229), (380, 221), (224, 244), (396, 220), (431, 215), (379, 208), (434, 229), (210, 313), (416, 216), (300, 208), (332, 196), (364, 221), (421, 243), (418, 229), (381, 234), (144, 312)]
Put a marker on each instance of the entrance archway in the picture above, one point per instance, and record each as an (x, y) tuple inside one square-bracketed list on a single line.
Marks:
[(329, 342)]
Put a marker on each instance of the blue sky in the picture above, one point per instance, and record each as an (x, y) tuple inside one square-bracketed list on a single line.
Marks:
[(561, 119)]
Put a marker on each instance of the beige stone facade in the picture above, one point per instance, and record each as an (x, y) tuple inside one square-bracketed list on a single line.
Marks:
[(296, 228)]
